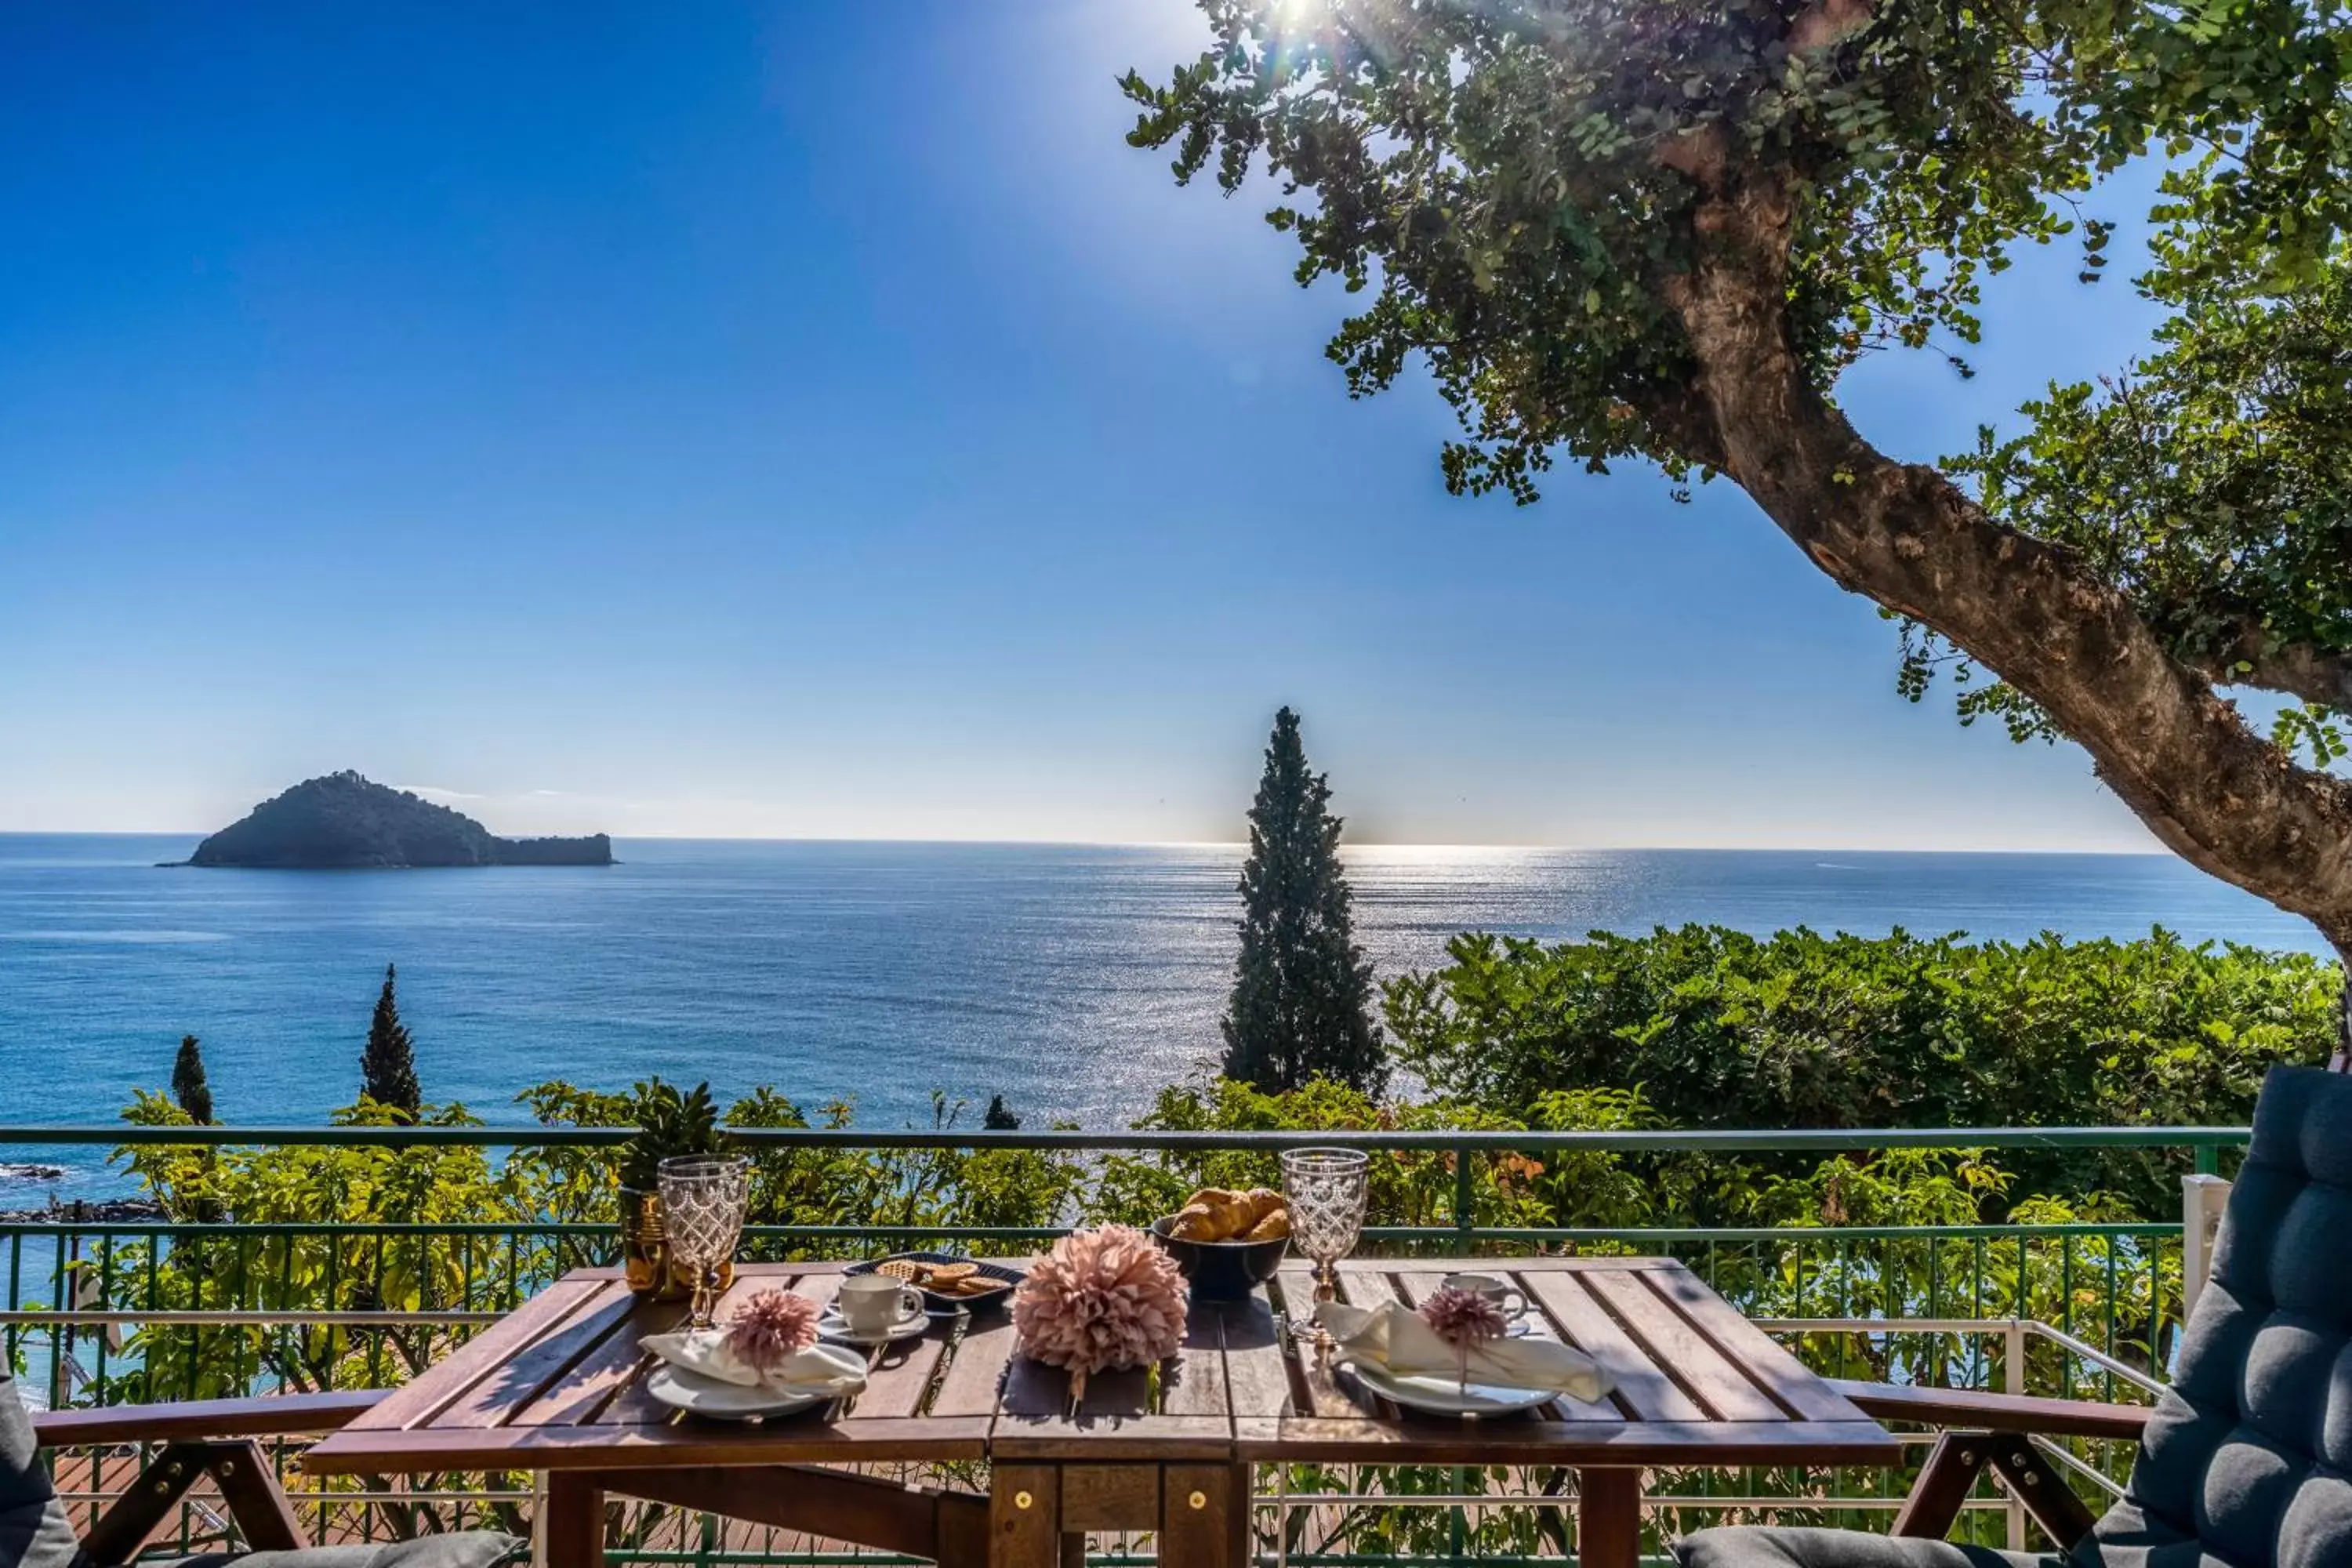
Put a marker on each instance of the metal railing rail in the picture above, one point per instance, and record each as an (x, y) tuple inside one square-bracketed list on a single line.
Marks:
[(1798, 1140)]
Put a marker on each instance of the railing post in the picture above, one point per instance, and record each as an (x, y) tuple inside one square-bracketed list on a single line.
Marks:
[(2013, 1381), (1464, 1199), (2202, 1198)]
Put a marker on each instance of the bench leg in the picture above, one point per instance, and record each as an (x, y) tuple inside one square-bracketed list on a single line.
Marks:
[(573, 1532), (1025, 1516), (125, 1528), (1945, 1481), (1205, 1516), (2032, 1480), (1608, 1518), (259, 1504)]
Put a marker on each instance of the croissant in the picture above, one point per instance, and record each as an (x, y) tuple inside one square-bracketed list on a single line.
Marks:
[(1194, 1222), (1230, 1213), (1273, 1228), (1262, 1200)]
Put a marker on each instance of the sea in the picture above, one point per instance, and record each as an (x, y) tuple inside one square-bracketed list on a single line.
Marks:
[(906, 980)]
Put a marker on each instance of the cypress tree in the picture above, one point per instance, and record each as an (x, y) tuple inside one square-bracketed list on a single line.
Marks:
[(1302, 988), (189, 1089), (388, 1065)]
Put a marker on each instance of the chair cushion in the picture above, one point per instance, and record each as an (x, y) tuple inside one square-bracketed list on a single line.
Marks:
[(1758, 1546), (458, 1548), (2128, 1538), (34, 1529), (2244, 1464)]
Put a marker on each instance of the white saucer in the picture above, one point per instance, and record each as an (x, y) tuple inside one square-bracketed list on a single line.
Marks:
[(700, 1395), (1445, 1396), (832, 1325)]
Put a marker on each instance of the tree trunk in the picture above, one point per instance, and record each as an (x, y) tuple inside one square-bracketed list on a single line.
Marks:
[(2215, 793)]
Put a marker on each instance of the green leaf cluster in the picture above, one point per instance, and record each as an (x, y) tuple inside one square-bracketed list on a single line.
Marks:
[(1718, 1028), (671, 1125)]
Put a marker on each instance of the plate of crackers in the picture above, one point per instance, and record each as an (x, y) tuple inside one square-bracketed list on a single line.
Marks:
[(947, 1283)]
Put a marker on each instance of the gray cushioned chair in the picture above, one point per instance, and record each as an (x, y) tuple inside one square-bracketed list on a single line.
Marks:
[(36, 1532), (2245, 1463)]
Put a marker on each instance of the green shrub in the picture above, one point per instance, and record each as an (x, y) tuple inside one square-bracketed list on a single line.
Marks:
[(1722, 1029)]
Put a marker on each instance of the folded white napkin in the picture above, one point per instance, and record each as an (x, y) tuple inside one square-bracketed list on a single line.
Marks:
[(834, 1370), (1394, 1338)]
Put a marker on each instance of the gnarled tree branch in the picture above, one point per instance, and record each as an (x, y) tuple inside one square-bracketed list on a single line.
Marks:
[(2158, 735), (2293, 670)]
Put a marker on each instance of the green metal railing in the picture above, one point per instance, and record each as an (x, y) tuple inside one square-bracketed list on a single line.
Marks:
[(125, 1309)]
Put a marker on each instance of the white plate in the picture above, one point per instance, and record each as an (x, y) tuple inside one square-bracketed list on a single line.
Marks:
[(832, 1325), (700, 1395), (1445, 1396)]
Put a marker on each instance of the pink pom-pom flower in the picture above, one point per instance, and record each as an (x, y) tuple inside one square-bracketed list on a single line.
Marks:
[(771, 1327), (1462, 1319), (1100, 1301)]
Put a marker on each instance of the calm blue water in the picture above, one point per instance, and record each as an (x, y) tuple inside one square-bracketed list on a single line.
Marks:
[(1075, 980)]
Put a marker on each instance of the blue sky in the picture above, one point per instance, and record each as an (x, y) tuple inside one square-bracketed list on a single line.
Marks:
[(788, 421)]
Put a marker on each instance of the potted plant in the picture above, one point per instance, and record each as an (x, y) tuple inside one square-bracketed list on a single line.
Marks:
[(670, 1122)]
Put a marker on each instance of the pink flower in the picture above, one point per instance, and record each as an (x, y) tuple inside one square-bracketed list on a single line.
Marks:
[(1101, 1301), (1462, 1318), (770, 1327)]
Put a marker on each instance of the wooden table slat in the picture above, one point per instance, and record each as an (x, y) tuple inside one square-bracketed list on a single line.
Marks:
[(1418, 1285), (537, 1366), (1790, 1381), (1257, 1369), (581, 1393), (898, 1375), (1643, 1391), (1192, 1382), (1714, 1379), (480, 1357), (1125, 1393), (969, 1386)]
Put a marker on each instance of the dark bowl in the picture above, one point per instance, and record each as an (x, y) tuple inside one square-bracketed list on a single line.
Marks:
[(1221, 1270)]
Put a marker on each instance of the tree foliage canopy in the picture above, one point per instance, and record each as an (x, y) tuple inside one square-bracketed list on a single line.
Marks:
[(1302, 1000), (1662, 229), (190, 1092), (388, 1061)]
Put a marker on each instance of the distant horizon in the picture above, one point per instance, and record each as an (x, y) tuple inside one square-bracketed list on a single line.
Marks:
[(796, 427), (1345, 843)]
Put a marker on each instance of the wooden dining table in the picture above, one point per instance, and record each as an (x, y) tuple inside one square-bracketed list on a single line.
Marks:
[(558, 1386)]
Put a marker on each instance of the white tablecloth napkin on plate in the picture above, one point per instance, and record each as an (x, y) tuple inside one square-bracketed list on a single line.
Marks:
[(833, 1369), (1394, 1338)]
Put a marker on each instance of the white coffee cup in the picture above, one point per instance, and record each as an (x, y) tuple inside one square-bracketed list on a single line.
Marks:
[(1506, 1301), (876, 1303)]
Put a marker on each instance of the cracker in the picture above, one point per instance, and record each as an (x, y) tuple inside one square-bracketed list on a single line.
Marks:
[(901, 1269), (946, 1273)]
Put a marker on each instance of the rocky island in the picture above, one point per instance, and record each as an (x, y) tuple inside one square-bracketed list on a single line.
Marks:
[(344, 822)]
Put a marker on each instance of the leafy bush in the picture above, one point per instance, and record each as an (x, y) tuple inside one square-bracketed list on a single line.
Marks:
[(1721, 1029)]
